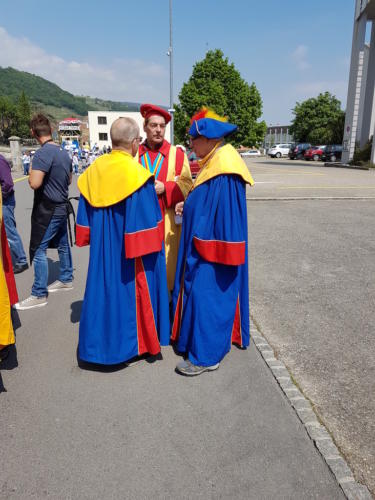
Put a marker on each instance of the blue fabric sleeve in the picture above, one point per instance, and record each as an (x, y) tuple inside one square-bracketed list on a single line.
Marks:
[(143, 226), (83, 212), (142, 209), (225, 217)]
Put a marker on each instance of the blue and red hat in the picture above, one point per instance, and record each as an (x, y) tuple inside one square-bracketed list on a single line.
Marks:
[(208, 124), (148, 110)]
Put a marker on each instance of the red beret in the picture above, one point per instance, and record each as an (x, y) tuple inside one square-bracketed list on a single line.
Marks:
[(148, 110)]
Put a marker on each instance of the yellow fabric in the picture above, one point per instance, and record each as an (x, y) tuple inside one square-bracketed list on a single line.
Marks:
[(172, 231), (6, 326), (112, 178), (223, 160)]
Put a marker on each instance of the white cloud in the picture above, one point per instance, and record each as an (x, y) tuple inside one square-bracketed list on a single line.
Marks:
[(120, 79), (338, 88), (299, 56)]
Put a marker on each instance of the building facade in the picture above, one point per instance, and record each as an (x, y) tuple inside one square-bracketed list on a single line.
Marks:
[(360, 105), (277, 134), (100, 124)]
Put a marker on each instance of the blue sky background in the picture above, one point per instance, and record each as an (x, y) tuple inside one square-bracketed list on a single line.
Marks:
[(116, 49)]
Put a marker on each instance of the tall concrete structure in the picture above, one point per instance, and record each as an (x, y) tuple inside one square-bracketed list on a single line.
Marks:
[(360, 105)]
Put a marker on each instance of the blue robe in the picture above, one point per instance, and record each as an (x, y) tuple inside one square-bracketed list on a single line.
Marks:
[(211, 293), (125, 310)]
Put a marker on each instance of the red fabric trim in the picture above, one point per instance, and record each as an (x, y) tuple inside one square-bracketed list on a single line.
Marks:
[(173, 194), (236, 329), (8, 267), (82, 235), (146, 329), (176, 326), (164, 150), (144, 242), (222, 252)]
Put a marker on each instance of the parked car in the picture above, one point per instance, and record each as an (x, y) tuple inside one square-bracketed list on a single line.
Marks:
[(297, 151), (314, 153), (332, 152), (250, 152), (193, 163), (279, 150)]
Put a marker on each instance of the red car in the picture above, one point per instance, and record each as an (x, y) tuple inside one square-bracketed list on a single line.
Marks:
[(314, 153), (194, 165)]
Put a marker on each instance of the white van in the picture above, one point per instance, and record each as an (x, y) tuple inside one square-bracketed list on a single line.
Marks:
[(279, 150)]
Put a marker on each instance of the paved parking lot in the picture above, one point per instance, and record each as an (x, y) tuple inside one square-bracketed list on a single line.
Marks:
[(144, 431), (312, 249)]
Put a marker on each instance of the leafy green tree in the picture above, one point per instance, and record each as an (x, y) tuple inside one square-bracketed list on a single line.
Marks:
[(8, 118), (217, 84), (22, 128), (318, 120)]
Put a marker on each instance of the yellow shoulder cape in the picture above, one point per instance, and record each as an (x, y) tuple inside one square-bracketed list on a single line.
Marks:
[(112, 178), (225, 160)]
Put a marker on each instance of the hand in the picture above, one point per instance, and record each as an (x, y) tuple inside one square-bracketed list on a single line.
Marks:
[(159, 188), (179, 208)]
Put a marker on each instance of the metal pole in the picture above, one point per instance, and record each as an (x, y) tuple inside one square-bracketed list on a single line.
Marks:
[(170, 53)]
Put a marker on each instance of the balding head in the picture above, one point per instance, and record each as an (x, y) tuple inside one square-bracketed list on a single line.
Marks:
[(123, 133)]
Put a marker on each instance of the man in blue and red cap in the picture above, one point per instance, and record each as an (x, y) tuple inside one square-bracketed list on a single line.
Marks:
[(171, 170), (211, 292)]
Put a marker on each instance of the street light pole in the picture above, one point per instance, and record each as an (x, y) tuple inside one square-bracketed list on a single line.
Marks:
[(170, 54)]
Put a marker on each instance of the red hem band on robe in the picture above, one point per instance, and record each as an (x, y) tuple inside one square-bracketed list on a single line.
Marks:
[(144, 241), (82, 235), (221, 252), (8, 268), (177, 317), (236, 330), (146, 329)]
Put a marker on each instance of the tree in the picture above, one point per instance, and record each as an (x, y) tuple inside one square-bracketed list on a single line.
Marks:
[(217, 84), (14, 118), (8, 117), (23, 116), (318, 120)]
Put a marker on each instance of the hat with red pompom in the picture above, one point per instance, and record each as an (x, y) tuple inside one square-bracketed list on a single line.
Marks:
[(208, 124), (148, 110)]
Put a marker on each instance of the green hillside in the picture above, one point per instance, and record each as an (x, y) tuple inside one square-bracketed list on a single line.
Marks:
[(48, 97)]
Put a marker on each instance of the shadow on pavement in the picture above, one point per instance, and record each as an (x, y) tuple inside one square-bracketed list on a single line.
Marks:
[(84, 365), (53, 270), (75, 313), (11, 360)]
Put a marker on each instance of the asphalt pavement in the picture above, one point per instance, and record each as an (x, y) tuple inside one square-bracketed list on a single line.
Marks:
[(312, 281), (144, 431)]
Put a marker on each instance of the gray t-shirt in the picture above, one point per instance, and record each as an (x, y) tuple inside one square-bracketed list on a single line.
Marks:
[(57, 165)]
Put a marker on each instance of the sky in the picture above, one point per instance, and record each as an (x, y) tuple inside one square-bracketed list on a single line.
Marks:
[(117, 49)]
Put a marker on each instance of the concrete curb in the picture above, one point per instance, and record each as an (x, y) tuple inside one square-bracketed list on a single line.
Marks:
[(316, 431), (344, 165)]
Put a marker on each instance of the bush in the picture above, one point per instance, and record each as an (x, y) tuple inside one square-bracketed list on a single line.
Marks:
[(362, 156)]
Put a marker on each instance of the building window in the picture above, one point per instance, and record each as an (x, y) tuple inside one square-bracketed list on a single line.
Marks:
[(102, 120), (103, 136)]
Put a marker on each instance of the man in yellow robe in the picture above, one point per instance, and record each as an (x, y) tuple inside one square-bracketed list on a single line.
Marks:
[(170, 167)]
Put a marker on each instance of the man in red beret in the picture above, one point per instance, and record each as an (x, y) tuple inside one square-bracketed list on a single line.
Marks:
[(170, 167)]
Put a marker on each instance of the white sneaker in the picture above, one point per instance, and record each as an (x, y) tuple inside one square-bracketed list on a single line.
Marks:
[(58, 285), (30, 303)]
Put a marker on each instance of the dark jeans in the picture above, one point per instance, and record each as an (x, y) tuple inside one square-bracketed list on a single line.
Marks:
[(15, 243), (57, 230)]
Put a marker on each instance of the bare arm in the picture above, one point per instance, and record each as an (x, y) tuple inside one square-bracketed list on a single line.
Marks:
[(36, 178)]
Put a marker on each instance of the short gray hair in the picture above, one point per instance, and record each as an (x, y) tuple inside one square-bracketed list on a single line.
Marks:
[(123, 132)]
